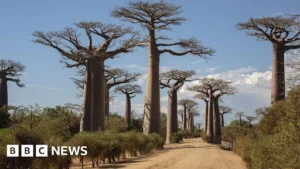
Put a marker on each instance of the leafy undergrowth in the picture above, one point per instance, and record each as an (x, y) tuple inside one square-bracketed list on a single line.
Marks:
[(274, 143)]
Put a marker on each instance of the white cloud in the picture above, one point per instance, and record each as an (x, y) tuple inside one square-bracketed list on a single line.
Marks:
[(292, 59), (142, 79), (42, 87), (164, 99), (136, 66), (197, 61), (277, 14), (254, 90), (212, 69)]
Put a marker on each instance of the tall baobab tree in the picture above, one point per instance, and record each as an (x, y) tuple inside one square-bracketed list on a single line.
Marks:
[(174, 80), (192, 114), (191, 109), (224, 110), (284, 34), (114, 77), (250, 119), (205, 97), (184, 103), (10, 71), (240, 115), (213, 89), (130, 91), (101, 45), (155, 17), (181, 114)]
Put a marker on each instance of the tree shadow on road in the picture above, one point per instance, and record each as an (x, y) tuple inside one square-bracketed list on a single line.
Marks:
[(193, 147)]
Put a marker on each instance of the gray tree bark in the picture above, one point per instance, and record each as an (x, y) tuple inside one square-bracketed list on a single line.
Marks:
[(172, 120), (86, 123), (3, 91), (184, 118), (278, 73), (188, 122), (152, 96), (106, 101), (128, 110), (98, 101), (209, 132), (192, 123), (222, 119), (206, 116), (217, 122)]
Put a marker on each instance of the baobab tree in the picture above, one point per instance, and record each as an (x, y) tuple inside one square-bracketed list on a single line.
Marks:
[(239, 115), (192, 114), (284, 34), (155, 17), (105, 41), (199, 126), (174, 80), (181, 114), (212, 89), (224, 110), (250, 119), (10, 71), (115, 77), (191, 109), (130, 91), (184, 103), (205, 97)]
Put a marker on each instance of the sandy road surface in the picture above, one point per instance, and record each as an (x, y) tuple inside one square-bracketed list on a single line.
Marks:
[(191, 154)]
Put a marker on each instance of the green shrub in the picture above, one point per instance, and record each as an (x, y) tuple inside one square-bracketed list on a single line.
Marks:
[(189, 134), (177, 137), (274, 142), (203, 136), (157, 140), (116, 123), (4, 117)]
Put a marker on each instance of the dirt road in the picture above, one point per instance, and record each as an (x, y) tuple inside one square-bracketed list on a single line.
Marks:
[(191, 154)]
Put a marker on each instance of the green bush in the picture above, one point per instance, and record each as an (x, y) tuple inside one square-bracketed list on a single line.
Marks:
[(116, 123), (109, 146), (203, 136), (189, 134), (157, 140), (177, 137), (59, 126), (274, 142), (4, 118)]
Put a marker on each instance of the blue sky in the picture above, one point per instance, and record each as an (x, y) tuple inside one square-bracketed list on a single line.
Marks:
[(211, 21)]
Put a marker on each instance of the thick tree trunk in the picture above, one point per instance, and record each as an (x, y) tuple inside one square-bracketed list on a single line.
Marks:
[(222, 119), (172, 119), (205, 116), (98, 89), (192, 123), (240, 124), (184, 118), (217, 122), (86, 123), (278, 74), (106, 101), (152, 96), (3, 91), (128, 110), (209, 132), (188, 122)]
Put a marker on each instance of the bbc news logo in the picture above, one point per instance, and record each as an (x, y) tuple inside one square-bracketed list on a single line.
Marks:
[(15, 150)]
